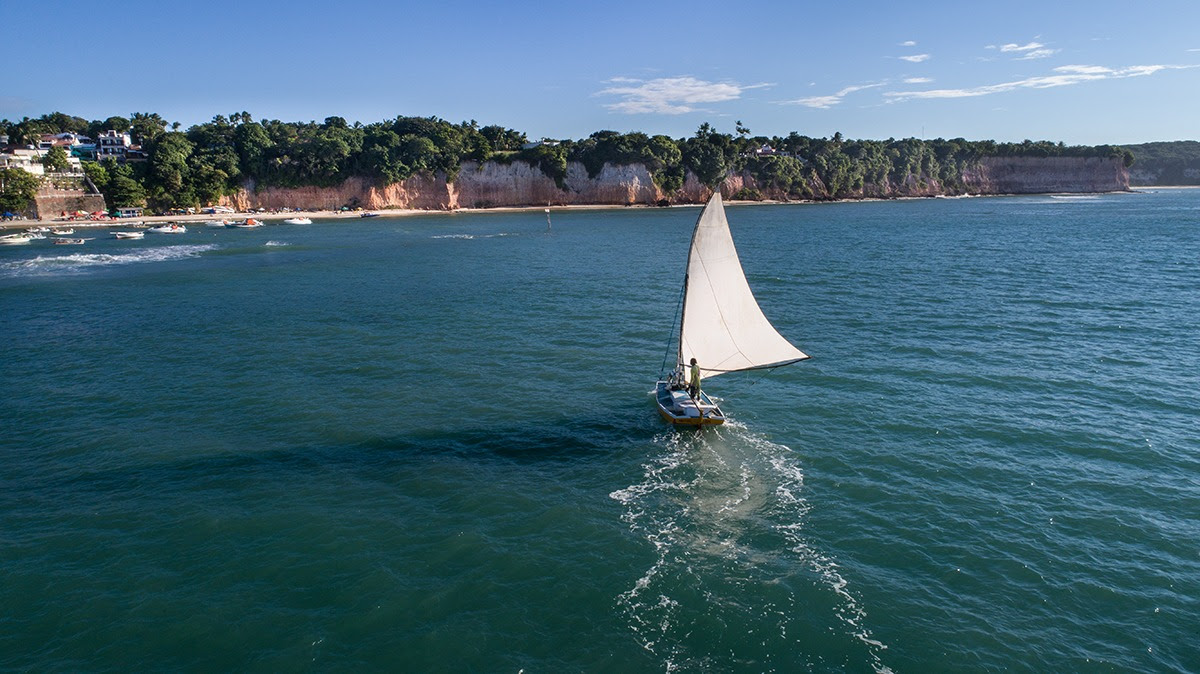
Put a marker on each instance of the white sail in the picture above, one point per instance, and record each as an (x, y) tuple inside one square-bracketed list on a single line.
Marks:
[(723, 328)]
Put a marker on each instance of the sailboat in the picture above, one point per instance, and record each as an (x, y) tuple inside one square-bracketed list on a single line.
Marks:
[(721, 325)]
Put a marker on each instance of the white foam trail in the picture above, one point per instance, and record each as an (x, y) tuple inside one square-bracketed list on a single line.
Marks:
[(473, 236), (276, 243), (721, 485), (51, 264)]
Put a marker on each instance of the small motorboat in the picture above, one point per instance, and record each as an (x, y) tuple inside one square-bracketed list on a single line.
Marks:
[(129, 235), (169, 228), (69, 242), (217, 223), (63, 231), (246, 224), (15, 239), (369, 215), (298, 221)]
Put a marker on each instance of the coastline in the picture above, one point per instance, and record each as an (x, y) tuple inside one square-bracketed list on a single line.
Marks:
[(405, 212)]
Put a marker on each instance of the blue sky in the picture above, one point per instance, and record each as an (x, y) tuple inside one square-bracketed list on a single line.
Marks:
[(1079, 72)]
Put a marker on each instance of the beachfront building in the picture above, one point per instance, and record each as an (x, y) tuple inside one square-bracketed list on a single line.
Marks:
[(64, 140), (114, 144), (545, 141), (75, 145), (23, 158)]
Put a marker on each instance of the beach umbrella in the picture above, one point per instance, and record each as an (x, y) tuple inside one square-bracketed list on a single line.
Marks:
[(97, 212), (81, 213)]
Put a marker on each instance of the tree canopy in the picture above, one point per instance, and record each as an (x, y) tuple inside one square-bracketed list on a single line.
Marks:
[(18, 187), (217, 158)]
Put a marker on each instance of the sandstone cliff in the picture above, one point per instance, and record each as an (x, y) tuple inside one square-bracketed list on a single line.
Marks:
[(492, 185), (1037, 175)]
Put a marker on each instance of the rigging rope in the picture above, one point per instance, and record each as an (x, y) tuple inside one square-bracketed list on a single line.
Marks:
[(678, 307)]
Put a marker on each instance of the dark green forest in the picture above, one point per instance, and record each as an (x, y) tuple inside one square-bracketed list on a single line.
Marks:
[(198, 165), (1169, 163)]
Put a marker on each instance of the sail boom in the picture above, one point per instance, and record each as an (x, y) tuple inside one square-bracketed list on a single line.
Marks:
[(712, 372)]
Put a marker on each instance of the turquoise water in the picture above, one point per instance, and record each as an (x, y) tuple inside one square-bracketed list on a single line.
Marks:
[(429, 444)]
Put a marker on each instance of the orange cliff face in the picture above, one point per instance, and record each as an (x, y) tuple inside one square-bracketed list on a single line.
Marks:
[(493, 185)]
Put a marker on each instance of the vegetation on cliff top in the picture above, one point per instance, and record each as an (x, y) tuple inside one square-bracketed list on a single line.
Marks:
[(207, 161), (1169, 163)]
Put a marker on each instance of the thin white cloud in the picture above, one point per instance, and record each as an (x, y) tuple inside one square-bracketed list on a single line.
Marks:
[(826, 102), (908, 43), (1087, 70), (1064, 76), (1025, 52), (915, 58), (670, 95), (1037, 54), (917, 80)]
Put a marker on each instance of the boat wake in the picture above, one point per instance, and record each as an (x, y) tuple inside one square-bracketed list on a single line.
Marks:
[(473, 236), (735, 580), (55, 264)]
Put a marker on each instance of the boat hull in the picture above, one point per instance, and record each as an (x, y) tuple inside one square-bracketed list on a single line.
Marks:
[(680, 409)]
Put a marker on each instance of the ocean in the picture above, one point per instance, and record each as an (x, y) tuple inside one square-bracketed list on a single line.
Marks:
[(429, 443)]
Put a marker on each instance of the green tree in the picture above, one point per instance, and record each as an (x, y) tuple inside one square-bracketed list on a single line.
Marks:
[(550, 159), (253, 145), (96, 173), (18, 187), (145, 127), (124, 192), (30, 131), (64, 123), (116, 123), (502, 139), (167, 177), (706, 161), (55, 159)]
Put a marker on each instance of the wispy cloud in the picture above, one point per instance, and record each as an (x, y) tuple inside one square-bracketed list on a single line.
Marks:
[(826, 102), (1021, 47), (1063, 76), (1025, 52), (670, 95), (908, 43), (917, 80), (915, 58)]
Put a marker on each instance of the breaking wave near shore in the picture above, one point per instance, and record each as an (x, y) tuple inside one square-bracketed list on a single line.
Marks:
[(736, 581)]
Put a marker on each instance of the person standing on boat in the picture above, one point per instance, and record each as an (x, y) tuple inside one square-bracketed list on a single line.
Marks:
[(694, 381)]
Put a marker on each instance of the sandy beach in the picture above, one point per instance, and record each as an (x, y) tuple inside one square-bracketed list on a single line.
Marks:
[(83, 222)]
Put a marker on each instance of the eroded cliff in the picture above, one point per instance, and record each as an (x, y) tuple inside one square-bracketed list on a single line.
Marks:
[(492, 185)]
